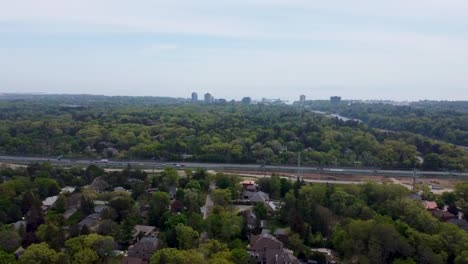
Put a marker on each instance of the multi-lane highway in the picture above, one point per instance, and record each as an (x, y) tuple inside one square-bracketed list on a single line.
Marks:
[(150, 164)]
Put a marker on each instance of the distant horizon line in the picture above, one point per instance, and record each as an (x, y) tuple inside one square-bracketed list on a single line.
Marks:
[(253, 98)]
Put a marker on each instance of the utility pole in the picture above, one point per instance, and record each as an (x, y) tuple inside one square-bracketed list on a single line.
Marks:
[(414, 179), (299, 164)]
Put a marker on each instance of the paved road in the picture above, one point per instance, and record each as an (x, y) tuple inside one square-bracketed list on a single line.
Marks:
[(207, 207), (149, 164)]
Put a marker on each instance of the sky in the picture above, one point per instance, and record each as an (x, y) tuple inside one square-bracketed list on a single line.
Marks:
[(360, 49)]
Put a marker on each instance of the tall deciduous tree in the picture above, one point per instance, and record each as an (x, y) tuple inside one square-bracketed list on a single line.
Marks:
[(187, 238)]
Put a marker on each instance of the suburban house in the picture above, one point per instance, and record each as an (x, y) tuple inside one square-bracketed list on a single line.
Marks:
[(248, 185), (144, 231), (255, 197), (443, 215), (251, 219), (91, 221), (272, 206), (19, 224), (99, 185), (100, 208), (49, 202), (415, 197), (266, 249), (99, 202), (142, 250), (429, 205), (251, 193), (461, 223)]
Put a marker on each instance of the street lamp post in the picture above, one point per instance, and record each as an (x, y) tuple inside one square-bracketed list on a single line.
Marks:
[(154, 162)]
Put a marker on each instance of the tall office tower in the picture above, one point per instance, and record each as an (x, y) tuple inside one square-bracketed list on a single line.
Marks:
[(194, 97)]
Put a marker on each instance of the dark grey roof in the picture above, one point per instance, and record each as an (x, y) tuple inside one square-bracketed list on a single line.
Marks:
[(88, 222), (415, 197), (259, 197), (461, 223), (263, 241), (100, 208), (90, 219), (18, 224)]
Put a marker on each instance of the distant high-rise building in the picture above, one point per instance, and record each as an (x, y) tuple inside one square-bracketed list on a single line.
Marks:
[(302, 98), (246, 100), (335, 99), (208, 98), (194, 97)]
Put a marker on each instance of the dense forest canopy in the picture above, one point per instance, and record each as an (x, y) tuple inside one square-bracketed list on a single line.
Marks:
[(161, 128), (446, 121)]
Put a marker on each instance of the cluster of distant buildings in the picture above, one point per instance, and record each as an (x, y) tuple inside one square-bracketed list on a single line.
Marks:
[(209, 99), (333, 99)]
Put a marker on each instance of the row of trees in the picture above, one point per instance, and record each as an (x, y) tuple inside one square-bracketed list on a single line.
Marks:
[(230, 133)]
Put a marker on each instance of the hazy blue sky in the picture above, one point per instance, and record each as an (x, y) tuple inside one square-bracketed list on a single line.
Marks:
[(398, 49)]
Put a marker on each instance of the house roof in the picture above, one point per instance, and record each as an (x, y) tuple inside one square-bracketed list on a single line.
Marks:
[(19, 251), (146, 230), (68, 189), (264, 241), (94, 216), (49, 201), (18, 224), (272, 206), (99, 202), (442, 214), (271, 249), (148, 244), (247, 182), (99, 184), (288, 257), (415, 197), (461, 223), (429, 205), (100, 208), (259, 197), (90, 220)]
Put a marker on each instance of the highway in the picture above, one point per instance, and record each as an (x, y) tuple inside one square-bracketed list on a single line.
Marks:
[(150, 164)]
